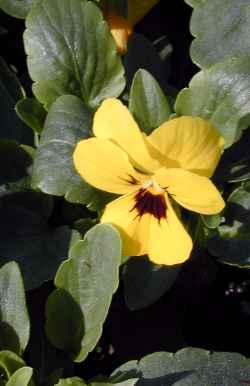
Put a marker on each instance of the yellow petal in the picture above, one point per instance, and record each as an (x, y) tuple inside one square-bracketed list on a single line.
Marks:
[(120, 28), (194, 192), (104, 165), (190, 142), (169, 242), (134, 230), (114, 121), (165, 241)]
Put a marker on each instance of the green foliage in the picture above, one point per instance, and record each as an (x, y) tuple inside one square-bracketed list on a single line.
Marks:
[(221, 29), (68, 121), (220, 95), (75, 381), (232, 242), (17, 162), (147, 102), (32, 113), (189, 366), (14, 318), (22, 377), (145, 282), (27, 237), (17, 8), (89, 277), (77, 55), (10, 92), (9, 363)]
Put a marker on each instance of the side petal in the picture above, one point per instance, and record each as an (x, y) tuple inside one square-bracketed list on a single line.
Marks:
[(104, 165), (114, 121), (169, 242), (193, 192), (190, 142)]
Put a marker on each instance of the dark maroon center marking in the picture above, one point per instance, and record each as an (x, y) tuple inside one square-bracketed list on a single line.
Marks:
[(146, 202)]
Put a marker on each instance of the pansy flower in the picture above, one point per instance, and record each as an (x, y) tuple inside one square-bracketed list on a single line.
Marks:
[(172, 165)]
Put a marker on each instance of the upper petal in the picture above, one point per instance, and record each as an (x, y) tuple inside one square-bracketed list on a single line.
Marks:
[(106, 166), (194, 192), (190, 142), (114, 121)]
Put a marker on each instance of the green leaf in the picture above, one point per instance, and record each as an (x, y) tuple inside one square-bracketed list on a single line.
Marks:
[(220, 95), (65, 325), (32, 113), (21, 377), (90, 276), (145, 282), (75, 381), (17, 8), (232, 242), (27, 238), (14, 318), (68, 122), (9, 363), (147, 102), (221, 29), (10, 92), (211, 221), (235, 162), (71, 51), (189, 366)]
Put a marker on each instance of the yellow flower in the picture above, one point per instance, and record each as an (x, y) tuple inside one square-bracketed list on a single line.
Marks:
[(122, 28), (173, 163)]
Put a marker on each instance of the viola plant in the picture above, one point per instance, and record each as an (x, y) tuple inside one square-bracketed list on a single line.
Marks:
[(125, 186), (172, 164)]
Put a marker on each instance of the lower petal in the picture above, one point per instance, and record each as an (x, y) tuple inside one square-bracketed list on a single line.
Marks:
[(134, 230), (165, 240), (169, 242)]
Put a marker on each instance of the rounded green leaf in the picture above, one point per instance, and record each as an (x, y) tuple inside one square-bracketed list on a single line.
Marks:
[(90, 277), (221, 29), (220, 95), (14, 318), (71, 51), (68, 121), (21, 377), (17, 8), (189, 366), (147, 102), (145, 282)]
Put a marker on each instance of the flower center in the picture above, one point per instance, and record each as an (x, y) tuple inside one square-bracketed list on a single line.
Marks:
[(150, 199)]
